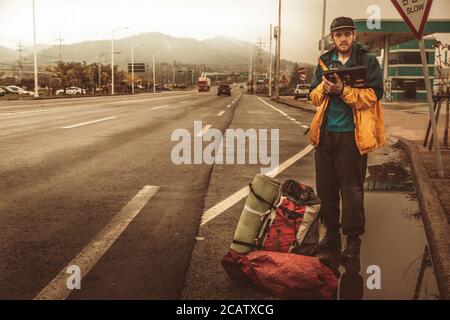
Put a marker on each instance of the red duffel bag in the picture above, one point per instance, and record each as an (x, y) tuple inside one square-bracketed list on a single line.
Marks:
[(286, 275)]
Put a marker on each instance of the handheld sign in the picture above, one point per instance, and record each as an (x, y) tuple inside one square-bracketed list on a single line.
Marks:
[(415, 13)]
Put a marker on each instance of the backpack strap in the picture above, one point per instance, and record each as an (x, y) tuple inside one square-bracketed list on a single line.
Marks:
[(261, 198), (323, 65), (245, 244)]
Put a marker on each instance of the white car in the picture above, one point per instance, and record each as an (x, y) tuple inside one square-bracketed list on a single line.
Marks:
[(72, 91), (20, 91), (301, 91)]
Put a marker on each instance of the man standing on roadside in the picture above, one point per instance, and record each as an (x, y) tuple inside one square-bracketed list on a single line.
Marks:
[(348, 124)]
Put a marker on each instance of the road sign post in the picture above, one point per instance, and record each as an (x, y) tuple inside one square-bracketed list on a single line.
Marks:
[(415, 13)]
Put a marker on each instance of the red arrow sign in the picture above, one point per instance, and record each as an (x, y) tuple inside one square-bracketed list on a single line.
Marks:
[(415, 13)]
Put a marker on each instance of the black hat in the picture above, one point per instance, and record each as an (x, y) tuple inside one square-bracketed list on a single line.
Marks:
[(342, 23)]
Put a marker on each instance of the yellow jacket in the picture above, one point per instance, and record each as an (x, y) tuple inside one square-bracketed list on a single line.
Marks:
[(367, 114), (367, 109)]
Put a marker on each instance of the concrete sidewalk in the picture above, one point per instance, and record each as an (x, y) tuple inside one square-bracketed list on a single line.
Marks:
[(408, 122)]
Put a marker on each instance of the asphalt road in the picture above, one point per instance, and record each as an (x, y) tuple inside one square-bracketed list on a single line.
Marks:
[(69, 166), (90, 182)]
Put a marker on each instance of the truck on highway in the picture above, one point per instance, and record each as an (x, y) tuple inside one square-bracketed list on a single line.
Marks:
[(204, 84)]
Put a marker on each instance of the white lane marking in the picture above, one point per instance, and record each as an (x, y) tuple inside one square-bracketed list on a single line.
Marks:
[(224, 205), (220, 113), (229, 106), (204, 130), (91, 254), (237, 98), (186, 101), (275, 108), (101, 103), (160, 107), (33, 111), (87, 123), (283, 113)]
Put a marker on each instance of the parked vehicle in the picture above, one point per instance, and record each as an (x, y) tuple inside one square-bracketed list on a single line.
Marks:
[(71, 91), (301, 91), (224, 89), (8, 90), (20, 91), (2, 92)]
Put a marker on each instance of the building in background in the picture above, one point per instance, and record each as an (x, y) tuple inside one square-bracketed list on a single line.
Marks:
[(405, 70)]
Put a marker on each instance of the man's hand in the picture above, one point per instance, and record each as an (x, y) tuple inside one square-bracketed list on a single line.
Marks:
[(331, 87)]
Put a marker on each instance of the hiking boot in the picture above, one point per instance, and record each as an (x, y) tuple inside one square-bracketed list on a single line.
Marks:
[(352, 248), (330, 244)]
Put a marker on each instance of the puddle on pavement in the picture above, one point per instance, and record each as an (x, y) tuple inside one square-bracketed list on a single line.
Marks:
[(394, 241)]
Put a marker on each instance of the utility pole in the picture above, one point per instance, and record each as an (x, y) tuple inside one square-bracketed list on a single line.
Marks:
[(36, 90), (132, 66), (112, 63), (324, 14), (154, 73), (60, 40), (132, 69), (20, 49), (277, 85), (259, 64), (164, 74), (250, 80), (173, 75), (112, 58), (270, 62)]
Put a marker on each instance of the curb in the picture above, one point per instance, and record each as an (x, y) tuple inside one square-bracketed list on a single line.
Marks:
[(434, 219), (287, 103)]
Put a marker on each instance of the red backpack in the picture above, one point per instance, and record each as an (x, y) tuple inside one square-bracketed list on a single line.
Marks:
[(282, 232), (294, 226)]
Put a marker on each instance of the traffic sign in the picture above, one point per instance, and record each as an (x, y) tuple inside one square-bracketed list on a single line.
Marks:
[(302, 74), (284, 79), (415, 13), (138, 67)]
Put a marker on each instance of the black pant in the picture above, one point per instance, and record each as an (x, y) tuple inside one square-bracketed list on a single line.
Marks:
[(340, 173)]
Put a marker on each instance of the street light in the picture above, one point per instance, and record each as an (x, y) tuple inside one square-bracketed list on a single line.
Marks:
[(324, 13), (132, 66), (270, 62), (277, 87), (36, 90), (112, 58), (154, 73)]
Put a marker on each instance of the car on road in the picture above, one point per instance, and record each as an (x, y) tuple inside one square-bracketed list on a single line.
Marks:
[(17, 90), (71, 91), (2, 92), (21, 91), (224, 89), (8, 90), (301, 91)]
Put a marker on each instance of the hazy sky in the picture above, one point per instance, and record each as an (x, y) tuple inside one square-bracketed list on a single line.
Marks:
[(80, 20)]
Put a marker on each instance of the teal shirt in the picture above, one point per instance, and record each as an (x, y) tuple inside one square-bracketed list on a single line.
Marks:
[(339, 117)]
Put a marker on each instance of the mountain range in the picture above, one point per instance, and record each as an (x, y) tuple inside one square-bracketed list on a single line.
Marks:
[(220, 52)]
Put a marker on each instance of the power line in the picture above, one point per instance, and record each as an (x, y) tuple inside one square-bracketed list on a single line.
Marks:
[(60, 47)]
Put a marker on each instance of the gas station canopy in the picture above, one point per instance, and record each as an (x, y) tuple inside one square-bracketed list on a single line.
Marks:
[(395, 30)]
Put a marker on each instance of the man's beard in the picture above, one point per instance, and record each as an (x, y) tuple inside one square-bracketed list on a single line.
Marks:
[(338, 48)]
